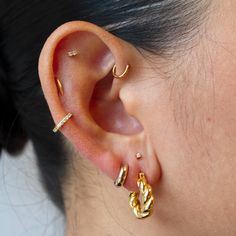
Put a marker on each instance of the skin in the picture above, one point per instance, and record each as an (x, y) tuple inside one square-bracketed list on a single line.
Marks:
[(179, 113)]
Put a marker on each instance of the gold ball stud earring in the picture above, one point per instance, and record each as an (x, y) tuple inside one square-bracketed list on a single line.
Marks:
[(119, 182), (121, 76), (138, 155), (73, 53), (62, 122), (142, 202)]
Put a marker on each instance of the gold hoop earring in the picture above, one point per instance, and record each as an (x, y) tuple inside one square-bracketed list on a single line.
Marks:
[(60, 87), (119, 182), (62, 122), (122, 75), (144, 207)]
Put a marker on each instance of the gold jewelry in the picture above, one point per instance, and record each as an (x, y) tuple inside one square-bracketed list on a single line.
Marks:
[(139, 155), (62, 122), (73, 53), (142, 208), (119, 182), (60, 87), (122, 75)]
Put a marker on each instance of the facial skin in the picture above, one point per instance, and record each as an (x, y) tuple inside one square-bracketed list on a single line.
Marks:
[(184, 110)]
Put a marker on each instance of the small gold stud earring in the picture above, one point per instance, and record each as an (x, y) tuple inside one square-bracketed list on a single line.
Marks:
[(121, 76), (73, 53), (119, 182), (60, 87), (138, 155), (62, 122)]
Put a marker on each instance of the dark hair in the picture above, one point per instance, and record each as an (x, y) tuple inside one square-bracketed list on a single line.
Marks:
[(157, 26)]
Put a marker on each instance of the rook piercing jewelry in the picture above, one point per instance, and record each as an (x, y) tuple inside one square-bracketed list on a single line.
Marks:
[(119, 182), (60, 87), (142, 202), (73, 53), (122, 75), (62, 122), (139, 155)]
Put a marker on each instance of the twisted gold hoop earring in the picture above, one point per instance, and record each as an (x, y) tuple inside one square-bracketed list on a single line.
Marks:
[(119, 182), (62, 122), (144, 207), (122, 75)]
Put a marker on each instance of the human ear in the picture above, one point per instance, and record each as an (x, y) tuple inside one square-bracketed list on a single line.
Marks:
[(104, 127)]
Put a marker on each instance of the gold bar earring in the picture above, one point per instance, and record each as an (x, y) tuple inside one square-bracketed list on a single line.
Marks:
[(73, 53)]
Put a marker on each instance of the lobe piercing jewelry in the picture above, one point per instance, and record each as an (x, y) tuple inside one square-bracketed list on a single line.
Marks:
[(119, 182), (138, 155), (73, 53), (122, 75), (60, 87), (62, 122), (142, 202)]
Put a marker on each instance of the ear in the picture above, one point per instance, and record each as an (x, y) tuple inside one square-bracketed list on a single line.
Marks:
[(104, 127)]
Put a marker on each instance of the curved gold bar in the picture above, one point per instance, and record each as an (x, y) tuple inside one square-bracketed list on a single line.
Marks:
[(119, 182)]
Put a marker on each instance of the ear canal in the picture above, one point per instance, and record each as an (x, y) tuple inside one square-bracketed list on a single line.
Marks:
[(110, 114), (108, 110)]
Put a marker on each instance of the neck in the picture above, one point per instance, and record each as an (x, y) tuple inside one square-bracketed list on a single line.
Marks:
[(95, 207)]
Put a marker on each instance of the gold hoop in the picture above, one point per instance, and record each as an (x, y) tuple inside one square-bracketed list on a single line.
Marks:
[(119, 182), (60, 87), (144, 207), (122, 75), (62, 122)]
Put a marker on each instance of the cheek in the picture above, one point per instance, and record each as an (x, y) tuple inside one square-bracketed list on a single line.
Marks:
[(194, 135)]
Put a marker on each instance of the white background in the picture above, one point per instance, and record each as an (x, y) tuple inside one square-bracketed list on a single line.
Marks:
[(25, 209)]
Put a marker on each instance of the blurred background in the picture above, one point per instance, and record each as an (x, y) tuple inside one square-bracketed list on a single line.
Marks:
[(25, 209)]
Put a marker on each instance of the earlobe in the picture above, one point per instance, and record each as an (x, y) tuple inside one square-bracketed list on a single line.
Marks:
[(78, 77)]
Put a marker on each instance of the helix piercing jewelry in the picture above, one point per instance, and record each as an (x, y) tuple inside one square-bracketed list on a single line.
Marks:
[(73, 53), (142, 202), (119, 182), (138, 155), (121, 76), (60, 87), (62, 122)]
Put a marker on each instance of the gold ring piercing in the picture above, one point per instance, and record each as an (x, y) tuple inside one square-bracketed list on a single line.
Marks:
[(73, 53), (62, 122), (142, 202), (119, 182), (122, 75), (60, 87)]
